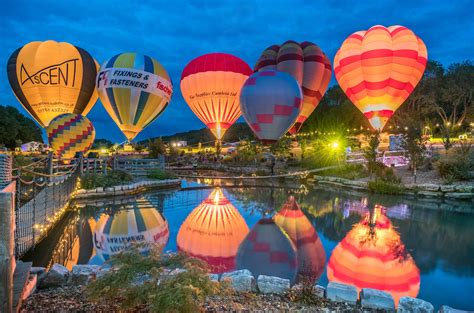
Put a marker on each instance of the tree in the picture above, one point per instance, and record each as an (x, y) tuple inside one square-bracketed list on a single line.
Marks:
[(15, 128), (414, 144), (156, 147), (102, 143), (370, 153)]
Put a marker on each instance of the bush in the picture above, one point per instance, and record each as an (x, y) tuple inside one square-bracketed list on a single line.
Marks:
[(454, 168), (348, 171), (386, 174), (385, 187), (113, 178), (160, 175), (184, 291), (261, 172)]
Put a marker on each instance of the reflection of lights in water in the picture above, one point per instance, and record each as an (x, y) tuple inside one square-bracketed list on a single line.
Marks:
[(142, 224), (310, 252), (373, 256), (213, 232)]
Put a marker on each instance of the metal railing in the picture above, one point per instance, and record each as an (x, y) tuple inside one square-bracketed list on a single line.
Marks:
[(43, 191)]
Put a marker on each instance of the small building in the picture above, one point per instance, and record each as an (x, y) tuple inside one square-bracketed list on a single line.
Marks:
[(33, 146)]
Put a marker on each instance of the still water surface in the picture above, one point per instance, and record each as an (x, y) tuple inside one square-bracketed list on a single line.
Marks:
[(389, 243)]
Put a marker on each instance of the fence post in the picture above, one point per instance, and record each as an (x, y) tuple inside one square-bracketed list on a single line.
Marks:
[(7, 234)]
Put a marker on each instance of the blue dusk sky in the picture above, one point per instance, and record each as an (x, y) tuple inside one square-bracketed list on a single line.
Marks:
[(175, 32)]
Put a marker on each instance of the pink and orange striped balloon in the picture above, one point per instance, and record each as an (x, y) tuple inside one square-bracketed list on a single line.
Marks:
[(379, 68)]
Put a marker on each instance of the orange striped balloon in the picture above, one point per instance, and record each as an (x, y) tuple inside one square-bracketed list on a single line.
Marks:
[(373, 256), (308, 64), (379, 68)]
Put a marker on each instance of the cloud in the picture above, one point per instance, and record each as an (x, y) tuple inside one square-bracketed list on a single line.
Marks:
[(177, 31)]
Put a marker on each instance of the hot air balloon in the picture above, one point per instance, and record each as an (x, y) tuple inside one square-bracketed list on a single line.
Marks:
[(213, 232), (309, 249), (308, 64), (373, 256), (69, 134), (134, 89), (267, 250), (50, 78), (379, 68), (211, 85), (270, 102), (142, 224)]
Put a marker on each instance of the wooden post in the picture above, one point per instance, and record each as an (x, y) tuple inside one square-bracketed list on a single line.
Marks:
[(7, 239)]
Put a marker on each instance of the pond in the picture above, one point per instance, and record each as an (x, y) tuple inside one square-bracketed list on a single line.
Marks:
[(403, 246)]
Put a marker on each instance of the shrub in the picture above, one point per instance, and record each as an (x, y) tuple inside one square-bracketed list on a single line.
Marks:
[(184, 291), (386, 174), (160, 175), (385, 187), (113, 178), (454, 168), (261, 172), (349, 171)]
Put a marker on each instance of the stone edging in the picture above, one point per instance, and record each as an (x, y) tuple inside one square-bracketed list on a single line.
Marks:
[(423, 190), (244, 281), (130, 189)]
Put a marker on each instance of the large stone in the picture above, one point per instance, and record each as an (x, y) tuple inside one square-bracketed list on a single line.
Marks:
[(83, 274), (464, 188), (430, 193), (447, 188), (409, 304), (376, 299), (58, 275), (272, 284), (448, 309), (429, 187), (241, 280), (319, 291), (342, 293)]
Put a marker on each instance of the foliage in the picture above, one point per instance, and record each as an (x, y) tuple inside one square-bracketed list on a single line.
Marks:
[(348, 171), (459, 165), (139, 147), (303, 293), (141, 281), (102, 143), (160, 175), (15, 128), (261, 172), (156, 147), (385, 187), (112, 178), (370, 153)]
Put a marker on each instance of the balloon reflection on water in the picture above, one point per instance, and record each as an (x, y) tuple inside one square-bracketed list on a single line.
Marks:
[(139, 225), (372, 255), (213, 232)]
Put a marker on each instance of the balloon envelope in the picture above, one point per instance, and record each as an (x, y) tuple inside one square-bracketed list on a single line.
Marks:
[(211, 85), (373, 256), (267, 250), (310, 251), (308, 64), (51, 78), (213, 232), (114, 233), (270, 102), (379, 68), (69, 134), (134, 89)]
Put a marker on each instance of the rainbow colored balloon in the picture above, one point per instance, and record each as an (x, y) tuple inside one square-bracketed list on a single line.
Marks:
[(308, 64), (69, 134), (379, 68), (270, 102)]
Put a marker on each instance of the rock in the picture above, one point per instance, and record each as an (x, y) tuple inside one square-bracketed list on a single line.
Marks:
[(272, 284), (83, 274), (459, 195), (177, 271), (342, 293), (409, 304), (214, 277), (241, 280), (447, 188), (464, 188), (448, 309), (81, 191), (429, 187), (100, 189), (430, 193), (58, 275), (109, 189), (37, 270), (376, 299), (319, 291)]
